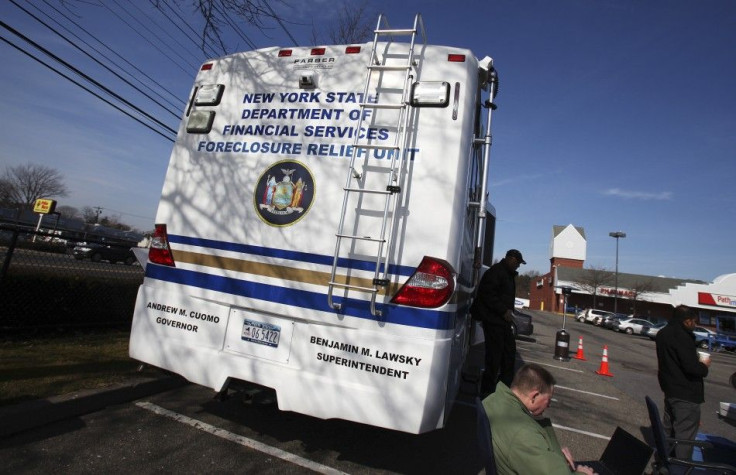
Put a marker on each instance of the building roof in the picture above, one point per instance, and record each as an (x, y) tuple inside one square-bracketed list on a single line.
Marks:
[(626, 281), (557, 229)]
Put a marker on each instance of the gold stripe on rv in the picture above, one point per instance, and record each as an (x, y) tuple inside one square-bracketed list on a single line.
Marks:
[(271, 270)]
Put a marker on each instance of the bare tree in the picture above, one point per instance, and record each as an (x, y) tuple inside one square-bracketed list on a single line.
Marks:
[(24, 184), (639, 288), (523, 282), (69, 212), (593, 279), (91, 215), (353, 24), (221, 15)]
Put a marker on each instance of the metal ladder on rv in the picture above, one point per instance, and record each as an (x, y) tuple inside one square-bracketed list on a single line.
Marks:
[(378, 67)]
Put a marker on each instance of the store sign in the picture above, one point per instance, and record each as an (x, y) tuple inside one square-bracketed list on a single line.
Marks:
[(44, 206), (707, 298), (611, 292)]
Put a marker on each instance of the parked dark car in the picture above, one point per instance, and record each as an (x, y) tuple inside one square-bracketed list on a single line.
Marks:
[(611, 321), (522, 324), (103, 252)]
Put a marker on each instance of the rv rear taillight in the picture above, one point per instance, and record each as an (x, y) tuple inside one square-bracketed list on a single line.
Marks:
[(431, 285), (284, 52), (352, 49), (456, 58), (206, 67), (160, 252), (317, 51)]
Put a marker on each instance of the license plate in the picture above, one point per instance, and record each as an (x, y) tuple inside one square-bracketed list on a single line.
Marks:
[(261, 333)]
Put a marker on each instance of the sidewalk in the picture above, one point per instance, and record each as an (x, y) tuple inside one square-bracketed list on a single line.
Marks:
[(32, 414)]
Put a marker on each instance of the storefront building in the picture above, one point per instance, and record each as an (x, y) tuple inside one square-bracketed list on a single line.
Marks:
[(645, 296)]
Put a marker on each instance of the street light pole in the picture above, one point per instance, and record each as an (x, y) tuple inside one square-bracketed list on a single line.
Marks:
[(617, 235)]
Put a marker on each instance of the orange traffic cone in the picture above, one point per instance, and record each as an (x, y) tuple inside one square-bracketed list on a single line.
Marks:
[(604, 363), (580, 355)]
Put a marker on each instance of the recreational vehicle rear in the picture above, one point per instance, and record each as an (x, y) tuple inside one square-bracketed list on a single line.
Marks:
[(321, 228)]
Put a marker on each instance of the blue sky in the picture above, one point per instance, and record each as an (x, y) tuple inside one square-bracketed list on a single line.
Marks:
[(613, 115)]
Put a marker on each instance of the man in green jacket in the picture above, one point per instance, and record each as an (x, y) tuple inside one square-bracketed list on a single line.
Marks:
[(523, 443)]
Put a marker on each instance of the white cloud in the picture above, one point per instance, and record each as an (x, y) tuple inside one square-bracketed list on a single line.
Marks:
[(639, 195)]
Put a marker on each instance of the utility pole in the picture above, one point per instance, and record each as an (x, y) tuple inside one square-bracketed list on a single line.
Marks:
[(97, 216), (617, 235)]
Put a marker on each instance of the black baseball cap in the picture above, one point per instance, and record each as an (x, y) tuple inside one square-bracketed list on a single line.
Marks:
[(515, 253)]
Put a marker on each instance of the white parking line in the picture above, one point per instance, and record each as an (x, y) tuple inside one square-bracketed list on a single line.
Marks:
[(553, 366), (239, 439), (584, 432), (557, 386)]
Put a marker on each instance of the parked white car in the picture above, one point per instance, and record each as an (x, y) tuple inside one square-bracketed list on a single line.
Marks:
[(591, 315), (634, 326), (652, 331)]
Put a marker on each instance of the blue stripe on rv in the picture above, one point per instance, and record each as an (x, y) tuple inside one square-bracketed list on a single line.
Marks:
[(415, 317), (284, 254)]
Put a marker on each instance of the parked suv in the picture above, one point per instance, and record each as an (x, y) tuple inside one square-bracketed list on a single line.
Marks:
[(102, 252), (593, 316)]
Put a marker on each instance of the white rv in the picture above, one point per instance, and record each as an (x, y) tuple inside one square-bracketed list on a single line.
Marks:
[(321, 227)]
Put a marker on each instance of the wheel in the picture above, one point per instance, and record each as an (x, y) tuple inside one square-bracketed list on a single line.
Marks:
[(703, 344), (629, 331), (580, 319), (96, 257), (733, 380)]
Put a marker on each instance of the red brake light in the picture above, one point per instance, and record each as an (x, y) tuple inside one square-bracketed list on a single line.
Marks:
[(317, 51), (284, 52), (352, 49), (160, 252), (456, 58), (431, 285)]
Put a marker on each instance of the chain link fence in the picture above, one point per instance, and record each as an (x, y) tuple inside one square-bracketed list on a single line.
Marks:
[(52, 281)]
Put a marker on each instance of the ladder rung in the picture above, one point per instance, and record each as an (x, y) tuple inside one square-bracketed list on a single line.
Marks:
[(370, 105), (383, 67), (360, 190), (371, 146), (362, 238), (354, 287), (403, 31)]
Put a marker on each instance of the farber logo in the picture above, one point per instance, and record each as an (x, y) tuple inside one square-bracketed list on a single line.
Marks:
[(284, 193)]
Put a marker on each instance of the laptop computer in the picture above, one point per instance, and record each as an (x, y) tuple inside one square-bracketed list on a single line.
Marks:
[(624, 455)]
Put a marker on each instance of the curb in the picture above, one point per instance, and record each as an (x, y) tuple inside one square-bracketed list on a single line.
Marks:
[(37, 413)]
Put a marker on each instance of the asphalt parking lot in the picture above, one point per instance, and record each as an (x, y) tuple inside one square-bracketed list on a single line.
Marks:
[(186, 429)]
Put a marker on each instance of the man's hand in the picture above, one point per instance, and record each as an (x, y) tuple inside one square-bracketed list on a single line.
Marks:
[(508, 316), (585, 469)]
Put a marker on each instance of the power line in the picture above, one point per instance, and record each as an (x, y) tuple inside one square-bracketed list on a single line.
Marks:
[(175, 114), (165, 31), (212, 52), (104, 4), (85, 88), (161, 86), (235, 28), (85, 76)]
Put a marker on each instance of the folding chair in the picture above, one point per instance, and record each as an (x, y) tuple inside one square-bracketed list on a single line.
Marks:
[(485, 440), (665, 463)]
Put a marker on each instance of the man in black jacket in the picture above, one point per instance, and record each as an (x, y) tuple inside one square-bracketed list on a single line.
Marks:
[(493, 306), (681, 376)]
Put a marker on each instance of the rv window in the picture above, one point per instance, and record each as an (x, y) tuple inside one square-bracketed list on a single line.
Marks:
[(209, 95), (430, 94), (200, 122)]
